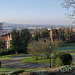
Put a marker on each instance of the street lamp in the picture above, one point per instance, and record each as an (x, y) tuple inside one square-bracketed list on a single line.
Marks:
[(50, 54)]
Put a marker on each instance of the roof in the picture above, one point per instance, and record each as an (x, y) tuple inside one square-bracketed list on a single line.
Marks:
[(4, 32)]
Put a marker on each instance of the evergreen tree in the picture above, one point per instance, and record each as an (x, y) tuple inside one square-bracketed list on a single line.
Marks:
[(16, 41), (45, 33), (25, 37)]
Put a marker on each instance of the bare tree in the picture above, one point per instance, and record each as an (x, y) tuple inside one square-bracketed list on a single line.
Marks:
[(56, 44), (41, 47), (70, 6)]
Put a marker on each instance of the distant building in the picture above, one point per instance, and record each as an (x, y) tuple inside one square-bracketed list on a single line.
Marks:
[(51, 35), (6, 38)]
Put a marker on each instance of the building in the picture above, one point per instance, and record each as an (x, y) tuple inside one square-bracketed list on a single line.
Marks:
[(6, 36), (51, 35)]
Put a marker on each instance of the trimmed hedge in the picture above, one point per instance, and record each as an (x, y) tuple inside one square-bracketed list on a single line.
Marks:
[(6, 51), (62, 59)]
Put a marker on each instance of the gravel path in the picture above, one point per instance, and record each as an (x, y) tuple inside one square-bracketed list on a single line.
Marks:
[(15, 62)]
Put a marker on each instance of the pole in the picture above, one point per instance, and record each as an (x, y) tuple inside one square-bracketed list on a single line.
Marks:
[(50, 58), (0, 64)]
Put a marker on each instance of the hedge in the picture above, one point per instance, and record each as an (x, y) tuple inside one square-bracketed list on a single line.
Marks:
[(62, 59)]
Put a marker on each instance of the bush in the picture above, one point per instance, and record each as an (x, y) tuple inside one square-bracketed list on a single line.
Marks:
[(6, 51), (66, 68), (56, 59), (66, 59), (62, 59)]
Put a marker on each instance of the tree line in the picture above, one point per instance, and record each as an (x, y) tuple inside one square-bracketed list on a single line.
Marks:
[(23, 42)]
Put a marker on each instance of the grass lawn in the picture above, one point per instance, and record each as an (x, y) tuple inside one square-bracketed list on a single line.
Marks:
[(73, 63), (73, 54), (7, 57), (66, 50), (5, 70), (32, 60), (8, 71), (40, 59)]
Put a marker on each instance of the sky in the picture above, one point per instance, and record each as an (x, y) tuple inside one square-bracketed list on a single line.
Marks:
[(33, 12)]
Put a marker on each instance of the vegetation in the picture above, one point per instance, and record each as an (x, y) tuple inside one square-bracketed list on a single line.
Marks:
[(62, 59), (41, 33), (20, 40), (1, 27), (66, 68), (17, 72), (6, 52), (2, 43), (15, 42), (69, 5), (45, 33), (5, 57), (49, 71), (25, 36), (7, 71), (56, 44), (41, 59), (39, 47), (67, 34)]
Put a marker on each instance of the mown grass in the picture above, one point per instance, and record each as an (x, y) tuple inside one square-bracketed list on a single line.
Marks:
[(67, 47), (40, 59), (74, 63), (6, 70), (5, 57), (34, 61), (66, 50), (73, 54)]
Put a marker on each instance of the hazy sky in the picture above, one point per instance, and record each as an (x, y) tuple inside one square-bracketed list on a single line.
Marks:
[(33, 12)]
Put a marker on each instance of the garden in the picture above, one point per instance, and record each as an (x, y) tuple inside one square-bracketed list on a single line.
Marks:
[(37, 51)]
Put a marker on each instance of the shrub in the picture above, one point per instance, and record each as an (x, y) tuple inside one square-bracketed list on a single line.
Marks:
[(56, 59), (62, 59), (6, 51), (66, 68), (66, 59)]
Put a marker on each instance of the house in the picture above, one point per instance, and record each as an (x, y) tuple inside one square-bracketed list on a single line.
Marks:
[(51, 35), (6, 36)]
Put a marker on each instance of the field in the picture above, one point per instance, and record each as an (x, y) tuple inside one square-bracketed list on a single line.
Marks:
[(67, 47)]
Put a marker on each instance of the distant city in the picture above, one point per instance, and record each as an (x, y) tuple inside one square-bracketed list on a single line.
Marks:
[(9, 26)]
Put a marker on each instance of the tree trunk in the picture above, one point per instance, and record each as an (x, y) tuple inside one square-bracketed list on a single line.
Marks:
[(0, 64), (47, 56), (36, 57)]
